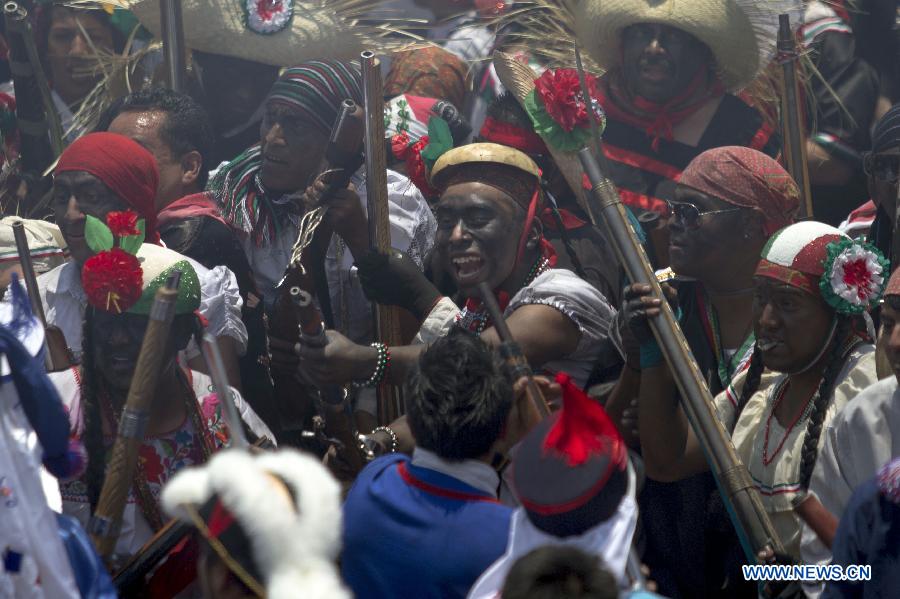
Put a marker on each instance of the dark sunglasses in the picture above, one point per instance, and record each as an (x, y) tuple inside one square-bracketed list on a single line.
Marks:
[(689, 214), (884, 167)]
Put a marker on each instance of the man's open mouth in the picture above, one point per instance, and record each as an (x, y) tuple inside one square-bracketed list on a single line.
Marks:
[(467, 267)]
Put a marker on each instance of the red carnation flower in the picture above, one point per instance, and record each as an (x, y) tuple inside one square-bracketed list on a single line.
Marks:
[(123, 224), (560, 91), (113, 280)]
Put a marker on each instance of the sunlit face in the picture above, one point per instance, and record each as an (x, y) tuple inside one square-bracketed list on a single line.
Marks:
[(77, 194), (791, 325), (70, 54), (659, 61), (478, 234)]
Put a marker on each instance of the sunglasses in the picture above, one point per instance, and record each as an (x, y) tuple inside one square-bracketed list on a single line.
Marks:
[(690, 215), (884, 167)]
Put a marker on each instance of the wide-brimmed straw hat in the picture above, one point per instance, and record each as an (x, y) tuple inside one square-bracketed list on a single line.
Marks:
[(294, 33), (740, 33)]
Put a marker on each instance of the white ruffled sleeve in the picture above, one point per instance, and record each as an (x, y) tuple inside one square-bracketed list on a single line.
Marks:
[(220, 304)]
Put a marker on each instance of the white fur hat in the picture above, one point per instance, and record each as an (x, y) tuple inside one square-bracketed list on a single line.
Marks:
[(293, 547)]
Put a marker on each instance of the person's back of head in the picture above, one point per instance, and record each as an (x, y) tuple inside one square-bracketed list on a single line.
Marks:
[(459, 397), (186, 127), (559, 572)]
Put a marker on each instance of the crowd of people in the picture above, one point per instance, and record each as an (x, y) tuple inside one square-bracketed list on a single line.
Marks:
[(487, 407)]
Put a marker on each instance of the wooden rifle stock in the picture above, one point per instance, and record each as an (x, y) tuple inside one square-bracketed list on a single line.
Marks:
[(748, 515), (792, 129), (817, 517), (334, 404), (107, 518), (56, 356), (511, 352), (387, 318)]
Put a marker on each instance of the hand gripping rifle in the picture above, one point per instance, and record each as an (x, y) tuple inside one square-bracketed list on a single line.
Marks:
[(107, 518), (56, 356), (511, 352), (791, 125), (343, 156), (387, 318)]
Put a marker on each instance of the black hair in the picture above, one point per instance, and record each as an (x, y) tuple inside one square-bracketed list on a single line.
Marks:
[(92, 436), (459, 397), (507, 109), (559, 572), (186, 128), (837, 357)]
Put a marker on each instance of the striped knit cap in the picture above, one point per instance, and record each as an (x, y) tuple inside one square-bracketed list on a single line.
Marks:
[(317, 88), (820, 260)]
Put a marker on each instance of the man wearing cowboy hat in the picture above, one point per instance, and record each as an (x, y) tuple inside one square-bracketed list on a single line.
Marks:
[(672, 69)]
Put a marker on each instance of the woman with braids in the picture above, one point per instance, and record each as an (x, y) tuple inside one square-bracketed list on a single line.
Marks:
[(811, 355), (185, 424)]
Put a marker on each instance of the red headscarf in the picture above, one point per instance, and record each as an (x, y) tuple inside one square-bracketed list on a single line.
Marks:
[(124, 166), (746, 178)]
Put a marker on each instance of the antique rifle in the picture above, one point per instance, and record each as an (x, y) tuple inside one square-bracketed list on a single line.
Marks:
[(106, 521), (387, 318), (792, 129), (56, 355), (40, 130), (173, 43), (343, 156), (511, 352)]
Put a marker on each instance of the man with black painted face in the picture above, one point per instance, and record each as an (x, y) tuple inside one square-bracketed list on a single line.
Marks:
[(487, 232), (669, 70)]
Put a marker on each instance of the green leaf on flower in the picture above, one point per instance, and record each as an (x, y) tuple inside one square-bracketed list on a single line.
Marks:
[(97, 235), (132, 243)]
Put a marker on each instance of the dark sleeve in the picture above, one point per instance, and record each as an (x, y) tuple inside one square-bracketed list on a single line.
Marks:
[(845, 92), (853, 539)]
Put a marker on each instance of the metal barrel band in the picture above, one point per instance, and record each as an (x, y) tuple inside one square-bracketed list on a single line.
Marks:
[(606, 194), (133, 424), (101, 526), (737, 479), (159, 311)]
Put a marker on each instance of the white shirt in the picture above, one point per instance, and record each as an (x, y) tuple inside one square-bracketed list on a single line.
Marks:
[(220, 303)]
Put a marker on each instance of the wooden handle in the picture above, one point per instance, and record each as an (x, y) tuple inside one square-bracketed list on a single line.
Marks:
[(104, 525)]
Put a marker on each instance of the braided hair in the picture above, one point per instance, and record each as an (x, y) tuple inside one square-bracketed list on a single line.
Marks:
[(93, 416), (810, 451)]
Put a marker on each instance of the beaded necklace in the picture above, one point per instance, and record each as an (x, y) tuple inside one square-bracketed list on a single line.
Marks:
[(474, 317), (778, 394)]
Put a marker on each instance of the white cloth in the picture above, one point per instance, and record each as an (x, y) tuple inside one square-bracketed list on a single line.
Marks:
[(563, 290), (220, 302), (135, 530), (472, 472), (27, 525), (863, 437), (610, 541), (779, 481)]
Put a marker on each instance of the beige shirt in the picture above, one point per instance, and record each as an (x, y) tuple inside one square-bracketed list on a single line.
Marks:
[(779, 481)]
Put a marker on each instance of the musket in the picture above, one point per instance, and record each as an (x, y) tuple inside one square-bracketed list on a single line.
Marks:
[(343, 157), (216, 368), (56, 354), (748, 515), (511, 352), (106, 521), (791, 126), (40, 129), (173, 43), (387, 318)]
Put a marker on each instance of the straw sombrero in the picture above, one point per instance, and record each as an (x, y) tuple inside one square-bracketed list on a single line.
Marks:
[(740, 33), (290, 34), (518, 78)]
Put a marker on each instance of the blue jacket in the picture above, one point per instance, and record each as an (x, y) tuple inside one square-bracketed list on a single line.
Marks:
[(414, 532)]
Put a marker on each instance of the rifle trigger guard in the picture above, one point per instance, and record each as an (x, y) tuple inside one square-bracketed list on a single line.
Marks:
[(101, 526), (133, 424)]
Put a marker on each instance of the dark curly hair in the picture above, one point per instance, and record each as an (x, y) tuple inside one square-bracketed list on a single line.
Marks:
[(459, 397), (559, 572), (186, 128)]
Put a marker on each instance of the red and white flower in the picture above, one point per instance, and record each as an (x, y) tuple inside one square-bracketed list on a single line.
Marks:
[(857, 275), (268, 16)]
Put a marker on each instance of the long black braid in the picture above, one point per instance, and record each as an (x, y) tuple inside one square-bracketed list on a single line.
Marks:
[(93, 416), (751, 382), (567, 241), (810, 452)]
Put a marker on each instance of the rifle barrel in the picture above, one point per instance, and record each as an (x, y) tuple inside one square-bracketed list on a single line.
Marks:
[(792, 128), (173, 43), (750, 519), (216, 366)]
